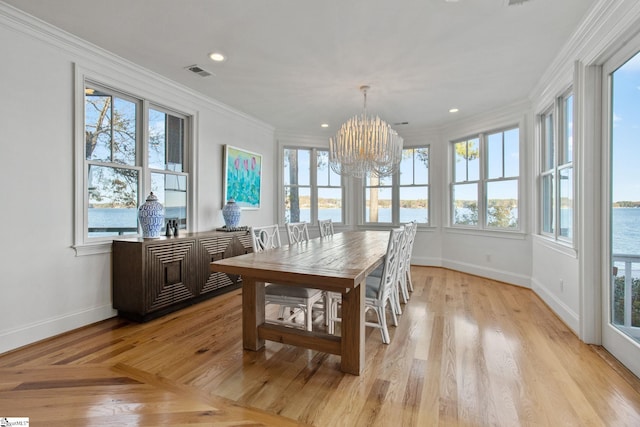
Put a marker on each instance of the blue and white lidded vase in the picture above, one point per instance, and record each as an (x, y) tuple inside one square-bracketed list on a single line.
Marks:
[(231, 214), (151, 217)]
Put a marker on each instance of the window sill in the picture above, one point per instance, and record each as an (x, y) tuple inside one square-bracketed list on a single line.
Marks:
[(564, 248), (93, 249)]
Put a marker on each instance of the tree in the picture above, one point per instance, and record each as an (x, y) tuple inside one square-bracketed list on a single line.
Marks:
[(110, 137), (294, 194)]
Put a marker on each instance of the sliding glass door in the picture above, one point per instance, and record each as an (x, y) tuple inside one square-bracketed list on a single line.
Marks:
[(621, 293)]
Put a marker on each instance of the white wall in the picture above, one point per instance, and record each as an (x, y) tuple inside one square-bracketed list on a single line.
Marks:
[(503, 256), (608, 26), (45, 288)]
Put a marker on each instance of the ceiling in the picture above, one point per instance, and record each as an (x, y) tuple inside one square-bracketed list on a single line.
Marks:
[(295, 64)]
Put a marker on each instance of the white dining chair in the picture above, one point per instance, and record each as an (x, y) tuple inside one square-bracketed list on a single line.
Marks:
[(412, 238), (378, 289), (297, 232), (405, 262), (326, 227), (403, 285), (297, 298)]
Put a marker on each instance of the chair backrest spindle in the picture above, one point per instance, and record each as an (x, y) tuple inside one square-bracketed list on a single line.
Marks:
[(391, 262), (326, 227), (297, 232), (265, 238)]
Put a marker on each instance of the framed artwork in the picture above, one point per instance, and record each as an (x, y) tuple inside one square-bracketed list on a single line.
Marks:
[(242, 177)]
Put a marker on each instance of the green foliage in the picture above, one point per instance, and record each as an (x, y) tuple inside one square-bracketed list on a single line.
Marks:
[(618, 301), (500, 213), (468, 150), (626, 204), (466, 212)]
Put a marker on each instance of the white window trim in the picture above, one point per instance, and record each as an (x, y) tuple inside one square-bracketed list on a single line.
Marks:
[(565, 244), (82, 76), (395, 197), (482, 228), (313, 183)]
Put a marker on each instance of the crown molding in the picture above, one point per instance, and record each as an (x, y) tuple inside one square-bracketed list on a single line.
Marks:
[(102, 62), (602, 28)]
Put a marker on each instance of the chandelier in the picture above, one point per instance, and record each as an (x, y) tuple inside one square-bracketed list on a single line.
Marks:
[(365, 145)]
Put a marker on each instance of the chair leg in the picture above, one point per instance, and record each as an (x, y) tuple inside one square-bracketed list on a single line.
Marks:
[(327, 308), (382, 320), (409, 282), (393, 313), (403, 289), (309, 317), (331, 326), (395, 300)]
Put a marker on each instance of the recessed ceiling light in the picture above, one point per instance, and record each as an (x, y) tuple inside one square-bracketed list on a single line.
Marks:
[(217, 56), (453, 110), (324, 125)]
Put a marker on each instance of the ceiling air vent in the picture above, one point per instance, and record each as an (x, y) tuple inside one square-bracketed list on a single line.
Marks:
[(198, 70), (514, 2)]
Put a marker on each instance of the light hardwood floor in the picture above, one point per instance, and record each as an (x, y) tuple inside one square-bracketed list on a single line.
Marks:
[(467, 351)]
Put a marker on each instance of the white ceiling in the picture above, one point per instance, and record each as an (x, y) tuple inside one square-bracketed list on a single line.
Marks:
[(295, 64)]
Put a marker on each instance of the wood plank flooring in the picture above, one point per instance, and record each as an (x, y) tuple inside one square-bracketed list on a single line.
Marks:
[(467, 352)]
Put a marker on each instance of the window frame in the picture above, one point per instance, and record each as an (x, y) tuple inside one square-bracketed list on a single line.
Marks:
[(312, 186), (395, 187), (83, 244), (482, 224), (560, 164), (453, 181)]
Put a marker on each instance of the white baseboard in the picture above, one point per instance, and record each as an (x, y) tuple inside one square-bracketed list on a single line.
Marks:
[(16, 338), (489, 273), (568, 316)]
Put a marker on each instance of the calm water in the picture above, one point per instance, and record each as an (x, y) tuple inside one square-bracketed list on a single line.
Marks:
[(626, 231)]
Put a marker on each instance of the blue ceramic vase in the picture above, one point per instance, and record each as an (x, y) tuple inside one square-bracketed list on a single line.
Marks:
[(231, 214), (151, 217)]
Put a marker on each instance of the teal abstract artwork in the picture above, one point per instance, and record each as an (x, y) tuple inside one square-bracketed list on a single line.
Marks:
[(243, 170)]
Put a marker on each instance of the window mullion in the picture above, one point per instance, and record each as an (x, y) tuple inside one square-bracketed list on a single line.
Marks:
[(313, 184), (503, 156), (111, 139), (556, 180), (395, 198), (142, 148), (482, 182)]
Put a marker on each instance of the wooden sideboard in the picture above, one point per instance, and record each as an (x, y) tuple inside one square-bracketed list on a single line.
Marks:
[(152, 277)]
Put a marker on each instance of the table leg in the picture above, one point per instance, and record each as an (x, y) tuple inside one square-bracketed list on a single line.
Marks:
[(352, 343), (252, 312)]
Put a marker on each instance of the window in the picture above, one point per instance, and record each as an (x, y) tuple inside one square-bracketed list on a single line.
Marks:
[(312, 191), (556, 175), (402, 197), (128, 154), (485, 181), (466, 180)]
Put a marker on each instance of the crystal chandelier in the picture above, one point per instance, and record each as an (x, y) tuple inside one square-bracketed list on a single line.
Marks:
[(365, 145)]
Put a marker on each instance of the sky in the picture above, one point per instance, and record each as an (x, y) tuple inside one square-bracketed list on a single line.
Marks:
[(626, 132)]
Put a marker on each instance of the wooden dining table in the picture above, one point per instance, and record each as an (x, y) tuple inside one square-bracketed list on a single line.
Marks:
[(337, 263)]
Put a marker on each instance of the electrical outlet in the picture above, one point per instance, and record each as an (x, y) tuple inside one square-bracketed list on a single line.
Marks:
[(488, 257)]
